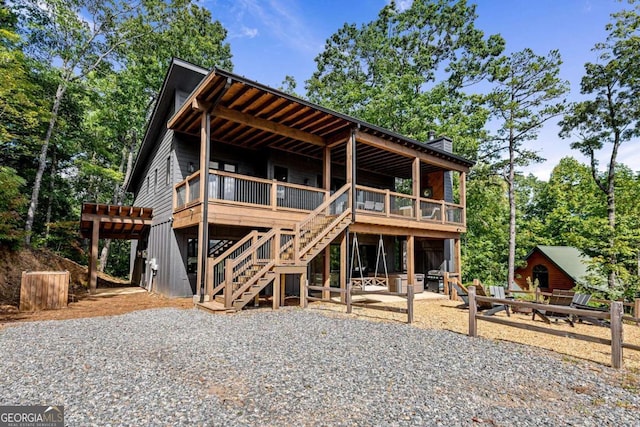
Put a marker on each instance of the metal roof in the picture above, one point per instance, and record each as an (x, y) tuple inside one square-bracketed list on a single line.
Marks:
[(567, 258)]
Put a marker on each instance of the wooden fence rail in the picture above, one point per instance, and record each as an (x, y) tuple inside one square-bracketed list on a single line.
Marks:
[(614, 315), (42, 290), (349, 292)]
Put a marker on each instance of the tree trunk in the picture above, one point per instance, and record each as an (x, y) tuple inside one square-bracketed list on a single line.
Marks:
[(611, 210), (512, 214), (42, 161), (52, 187)]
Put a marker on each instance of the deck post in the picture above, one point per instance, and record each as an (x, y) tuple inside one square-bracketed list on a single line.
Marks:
[(348, 297), (228, 283), (283, 284), (463, 197), (415, 174), (636, 310), (93, 260), (276, 292), (616, 334), (445, 286), (303, 290), (410, 296), (473, 309), (343, 266), (411, 265), (326, 272)]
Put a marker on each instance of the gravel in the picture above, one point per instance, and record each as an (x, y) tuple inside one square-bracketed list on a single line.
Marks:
[(297, 367)]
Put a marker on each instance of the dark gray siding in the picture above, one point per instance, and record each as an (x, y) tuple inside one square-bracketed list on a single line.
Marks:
[(156, 191)]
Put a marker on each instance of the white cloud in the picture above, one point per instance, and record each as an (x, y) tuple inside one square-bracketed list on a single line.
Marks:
[(280, 19)]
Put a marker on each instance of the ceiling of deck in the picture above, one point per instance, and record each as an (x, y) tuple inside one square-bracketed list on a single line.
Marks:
[(249, 115), (115, 222)]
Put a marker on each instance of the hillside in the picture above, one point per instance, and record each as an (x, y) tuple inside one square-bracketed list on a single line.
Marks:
[(13, 263)]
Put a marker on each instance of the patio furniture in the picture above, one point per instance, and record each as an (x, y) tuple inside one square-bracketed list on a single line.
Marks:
[(581, 301), (558, 297)]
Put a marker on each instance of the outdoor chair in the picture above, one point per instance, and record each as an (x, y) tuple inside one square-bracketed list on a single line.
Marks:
[(581, 302), (369, 205), (558, 297), (462, 293), (491, 308), (433, 214), (379, 207)]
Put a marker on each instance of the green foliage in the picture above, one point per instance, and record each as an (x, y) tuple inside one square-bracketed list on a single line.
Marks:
[(610, 117), (12, 204), (405, 71)]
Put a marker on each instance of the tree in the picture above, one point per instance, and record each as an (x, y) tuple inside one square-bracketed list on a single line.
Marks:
[(385, 71), (526, 95), (610, 117), (80, 35)]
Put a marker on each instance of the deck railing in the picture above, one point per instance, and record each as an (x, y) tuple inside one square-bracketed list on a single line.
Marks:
[(242, 189), (392, 204), (217, 265), (234, 188)]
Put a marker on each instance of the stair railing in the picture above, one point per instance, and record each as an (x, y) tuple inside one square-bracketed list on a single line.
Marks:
[(260, 255), (216, 270), (326, 216)]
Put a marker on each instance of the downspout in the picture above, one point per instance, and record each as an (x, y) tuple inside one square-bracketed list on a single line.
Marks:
[(205, 181)]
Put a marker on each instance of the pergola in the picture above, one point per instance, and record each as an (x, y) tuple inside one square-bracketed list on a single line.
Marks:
[(102, 221)]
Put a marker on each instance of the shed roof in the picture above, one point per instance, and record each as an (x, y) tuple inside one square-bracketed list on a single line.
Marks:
[(567, 258)]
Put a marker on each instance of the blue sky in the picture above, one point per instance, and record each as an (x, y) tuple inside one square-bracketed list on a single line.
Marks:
[(274, 38)]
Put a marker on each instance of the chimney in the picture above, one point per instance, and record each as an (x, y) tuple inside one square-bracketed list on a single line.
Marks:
[(432, 135)]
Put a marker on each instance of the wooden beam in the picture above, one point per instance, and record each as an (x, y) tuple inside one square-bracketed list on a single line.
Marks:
[(415, 179), (343, 266), (326, 170), (411, 265), (457, 257), (267, 125), (116, 219), (394, 147), (463, 196), (189, 102), (200, 105), (326, 272), (93, 260)]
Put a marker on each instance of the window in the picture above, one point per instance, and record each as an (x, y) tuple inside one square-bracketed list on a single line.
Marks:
[(541, 274), (168, 172), (228, 189), (148, 186), (155, 181)]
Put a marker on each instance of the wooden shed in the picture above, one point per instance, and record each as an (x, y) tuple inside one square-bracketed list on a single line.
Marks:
[(555, 267)]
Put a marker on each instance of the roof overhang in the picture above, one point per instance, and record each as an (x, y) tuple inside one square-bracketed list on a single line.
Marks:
[(115, 222), (253, 115)]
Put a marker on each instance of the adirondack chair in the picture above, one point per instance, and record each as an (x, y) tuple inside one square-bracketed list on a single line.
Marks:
[(462, 293), (581, 301), (491, 308), (559, 298)]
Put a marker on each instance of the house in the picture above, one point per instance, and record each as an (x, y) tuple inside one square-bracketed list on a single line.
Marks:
[(280, 188), (555, 267)]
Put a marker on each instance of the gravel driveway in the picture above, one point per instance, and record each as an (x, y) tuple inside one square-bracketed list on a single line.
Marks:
[(297, 367)]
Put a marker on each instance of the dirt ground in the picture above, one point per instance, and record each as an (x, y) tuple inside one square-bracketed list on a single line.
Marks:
[(108, 302), (428, 314)]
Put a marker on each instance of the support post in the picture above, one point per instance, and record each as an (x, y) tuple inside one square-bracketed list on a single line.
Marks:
[(228, 283), (283, 284), (410, 296), (343, 266), (351, 171), (445, 286), (415, 181), (203, 226), (303, 290), (636, 310), (616, 334), (457, 253), (326, 273), (411, 266), (463, 196), (326, 170), (276, 292), (348, 297), (93, 261), (473, 309)]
